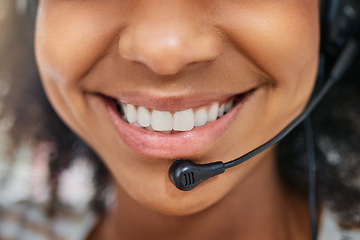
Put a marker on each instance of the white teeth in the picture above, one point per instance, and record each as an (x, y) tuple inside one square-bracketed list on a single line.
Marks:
[(213, 112), (228, 106), (161, 121), (131, 113), (183, 120), (221, 110), (165, 121), (143, 117), (200, 117)]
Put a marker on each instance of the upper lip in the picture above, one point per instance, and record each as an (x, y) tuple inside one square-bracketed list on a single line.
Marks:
[(172, 103)]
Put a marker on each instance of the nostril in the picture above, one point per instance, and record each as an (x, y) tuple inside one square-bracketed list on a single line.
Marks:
[(166, 61), (169, 51)]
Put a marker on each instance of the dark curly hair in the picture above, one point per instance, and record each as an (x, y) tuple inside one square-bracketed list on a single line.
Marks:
[(36, 121), (336, 125)]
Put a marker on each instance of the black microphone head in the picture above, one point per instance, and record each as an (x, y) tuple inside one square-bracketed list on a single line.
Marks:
[(186, 175)]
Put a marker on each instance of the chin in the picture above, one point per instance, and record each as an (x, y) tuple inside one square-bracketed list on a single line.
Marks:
[(166, 199)]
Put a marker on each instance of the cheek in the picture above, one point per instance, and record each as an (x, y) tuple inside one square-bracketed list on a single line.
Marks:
[(67, 47), (282, 38)]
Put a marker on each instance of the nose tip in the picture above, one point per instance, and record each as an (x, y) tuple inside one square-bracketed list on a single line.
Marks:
[(170, 49)]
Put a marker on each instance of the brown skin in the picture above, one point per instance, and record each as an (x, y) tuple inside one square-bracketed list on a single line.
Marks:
[(269, 213), (175, 49)]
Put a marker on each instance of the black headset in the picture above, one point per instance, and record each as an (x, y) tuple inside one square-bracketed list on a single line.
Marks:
[(339, 47), (340, 20)]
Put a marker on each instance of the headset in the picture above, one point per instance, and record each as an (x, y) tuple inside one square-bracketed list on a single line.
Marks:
[(339, 46), (340, 22)]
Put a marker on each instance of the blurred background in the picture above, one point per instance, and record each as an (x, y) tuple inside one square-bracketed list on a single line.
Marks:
[(24, 174)]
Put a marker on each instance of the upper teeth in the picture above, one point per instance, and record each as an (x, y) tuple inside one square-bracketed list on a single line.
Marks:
[(165, 121)]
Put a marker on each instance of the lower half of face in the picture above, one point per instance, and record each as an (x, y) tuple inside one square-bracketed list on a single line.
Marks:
[(145, 83)]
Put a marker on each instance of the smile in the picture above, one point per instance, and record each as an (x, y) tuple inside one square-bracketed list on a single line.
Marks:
[(172, 122), (185, 130)]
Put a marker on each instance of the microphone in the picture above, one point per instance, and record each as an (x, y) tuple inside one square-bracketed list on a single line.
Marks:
[(186, 175)]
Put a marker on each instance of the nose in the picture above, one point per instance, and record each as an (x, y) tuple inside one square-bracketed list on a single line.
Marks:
[(167, 37)]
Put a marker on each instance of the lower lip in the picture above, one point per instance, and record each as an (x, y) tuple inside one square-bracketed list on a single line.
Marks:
[(172, 146)]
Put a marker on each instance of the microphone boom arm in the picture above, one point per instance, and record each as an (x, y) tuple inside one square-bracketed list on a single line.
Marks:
[(186, 175)]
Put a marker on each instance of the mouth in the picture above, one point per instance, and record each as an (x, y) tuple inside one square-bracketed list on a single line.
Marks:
[(178, 133), (173, 122)]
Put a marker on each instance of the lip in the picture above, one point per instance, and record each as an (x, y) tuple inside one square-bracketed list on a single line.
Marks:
[(173, 146)]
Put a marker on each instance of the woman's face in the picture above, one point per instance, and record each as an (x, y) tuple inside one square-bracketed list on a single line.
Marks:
[(171, 63)]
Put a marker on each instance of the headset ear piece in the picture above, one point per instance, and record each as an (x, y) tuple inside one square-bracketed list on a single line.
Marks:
[(340, 21)]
